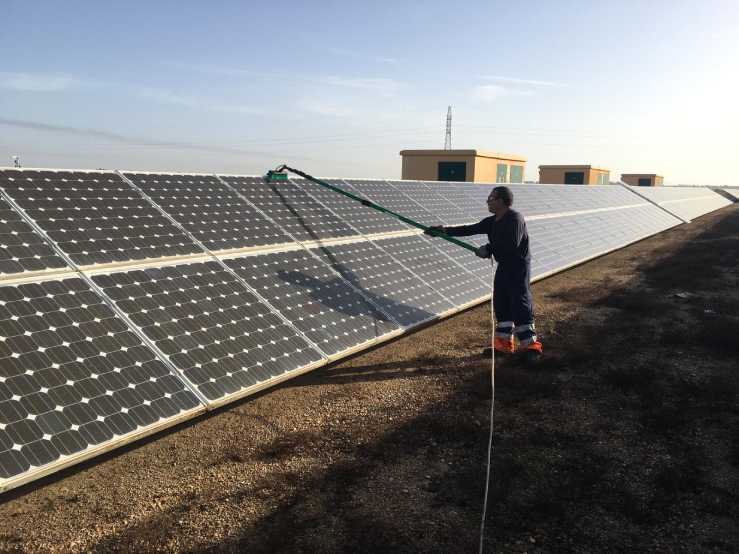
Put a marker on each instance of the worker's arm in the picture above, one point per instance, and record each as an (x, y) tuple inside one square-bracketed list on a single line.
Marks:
[(479, 228)]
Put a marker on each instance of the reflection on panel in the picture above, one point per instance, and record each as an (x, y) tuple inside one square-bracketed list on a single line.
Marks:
[(398, 292), (73, 376), (314, 298), (211, 211), (218, 334)]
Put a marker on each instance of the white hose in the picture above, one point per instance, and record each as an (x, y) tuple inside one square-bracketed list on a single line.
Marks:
[(492, 406)]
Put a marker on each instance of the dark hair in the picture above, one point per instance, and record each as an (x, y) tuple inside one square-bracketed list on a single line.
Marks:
[(505, 194)]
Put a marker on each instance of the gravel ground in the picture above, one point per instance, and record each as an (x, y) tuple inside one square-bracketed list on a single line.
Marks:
[(624, 438)]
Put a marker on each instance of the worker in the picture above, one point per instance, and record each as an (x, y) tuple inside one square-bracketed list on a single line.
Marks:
[(513, 302)]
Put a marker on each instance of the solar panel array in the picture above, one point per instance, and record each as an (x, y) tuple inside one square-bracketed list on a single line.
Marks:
[(131, 301), (687, 203)]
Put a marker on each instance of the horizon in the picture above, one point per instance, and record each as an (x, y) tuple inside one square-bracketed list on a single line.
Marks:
[(633, 88)]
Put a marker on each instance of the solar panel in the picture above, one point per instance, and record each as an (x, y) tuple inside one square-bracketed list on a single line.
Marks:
[(685, 202), (74, 377), (214, 214), (478, 266), (397, 291), (574, 239), (291, 208), (221, 337), (363, 219), (95, 217), (460, 195), (386, 195), (432, 201), (539, 200), (21, 248), (420, 255), (314, 298)]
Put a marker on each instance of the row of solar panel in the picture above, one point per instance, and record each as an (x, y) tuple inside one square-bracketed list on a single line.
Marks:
[(93, 360), (102, 218)]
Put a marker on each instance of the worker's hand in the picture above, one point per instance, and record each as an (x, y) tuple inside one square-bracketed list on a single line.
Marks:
[(434, 231), (484, 251)]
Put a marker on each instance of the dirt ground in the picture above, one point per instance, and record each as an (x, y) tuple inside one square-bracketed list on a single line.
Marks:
[(624, 438)]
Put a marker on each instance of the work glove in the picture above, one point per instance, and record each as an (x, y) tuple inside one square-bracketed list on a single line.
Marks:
[(484, 251), (434, 231)]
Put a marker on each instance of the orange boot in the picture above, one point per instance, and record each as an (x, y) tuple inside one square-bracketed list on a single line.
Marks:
[(503, 340), (504, 345)]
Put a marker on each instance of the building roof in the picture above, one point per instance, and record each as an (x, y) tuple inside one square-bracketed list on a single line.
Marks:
[(573, 167), (640, 175), (476, 153)]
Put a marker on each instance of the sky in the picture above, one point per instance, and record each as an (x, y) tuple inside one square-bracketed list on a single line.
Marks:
[(339, 88)]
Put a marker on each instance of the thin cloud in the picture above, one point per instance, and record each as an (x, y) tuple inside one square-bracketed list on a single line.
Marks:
[(36, 82), (516, 81), (359, 56), (490, 93), (129, 140), (377, 85), (168, 97), (380, 86)]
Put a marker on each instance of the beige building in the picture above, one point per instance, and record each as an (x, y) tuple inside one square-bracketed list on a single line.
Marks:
[(462, 165), (642, 179), (573, 175)]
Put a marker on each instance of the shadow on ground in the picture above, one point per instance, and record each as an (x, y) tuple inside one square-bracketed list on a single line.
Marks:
[(625, 438)]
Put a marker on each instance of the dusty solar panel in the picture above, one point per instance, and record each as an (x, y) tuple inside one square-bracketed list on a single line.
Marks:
[(314, 298), (73, 376), (95, 217), (363, 219), (432, 201), (685, 202), (214, 214), (459, 195), (397, 291), (21, 248), (481, 267), (221, 337), (574, 239), (420, 255), (388, 196), (292, 208)]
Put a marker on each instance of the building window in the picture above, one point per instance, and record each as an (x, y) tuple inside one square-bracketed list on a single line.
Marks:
[(452, 171), (574, 178), (645, 182), (516, 174), (603, 179), (501, 175)]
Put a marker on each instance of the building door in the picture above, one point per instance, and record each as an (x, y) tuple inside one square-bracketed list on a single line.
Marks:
[(645, 182), (574, 178), (452, 171)]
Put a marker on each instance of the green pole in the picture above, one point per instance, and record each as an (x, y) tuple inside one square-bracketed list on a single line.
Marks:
[(279, 171)]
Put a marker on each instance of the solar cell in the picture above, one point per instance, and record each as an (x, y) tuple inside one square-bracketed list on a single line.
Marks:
[(221, 337), (363, 219), (291, 208), (388, 196), (420, 255), (214, 214), (314, 298), (685, 202), (432, 201), (95, 217), (397, 291), (21, 248), (73, 376)]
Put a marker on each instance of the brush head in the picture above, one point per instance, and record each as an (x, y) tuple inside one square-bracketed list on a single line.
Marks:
[(275, 176)]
